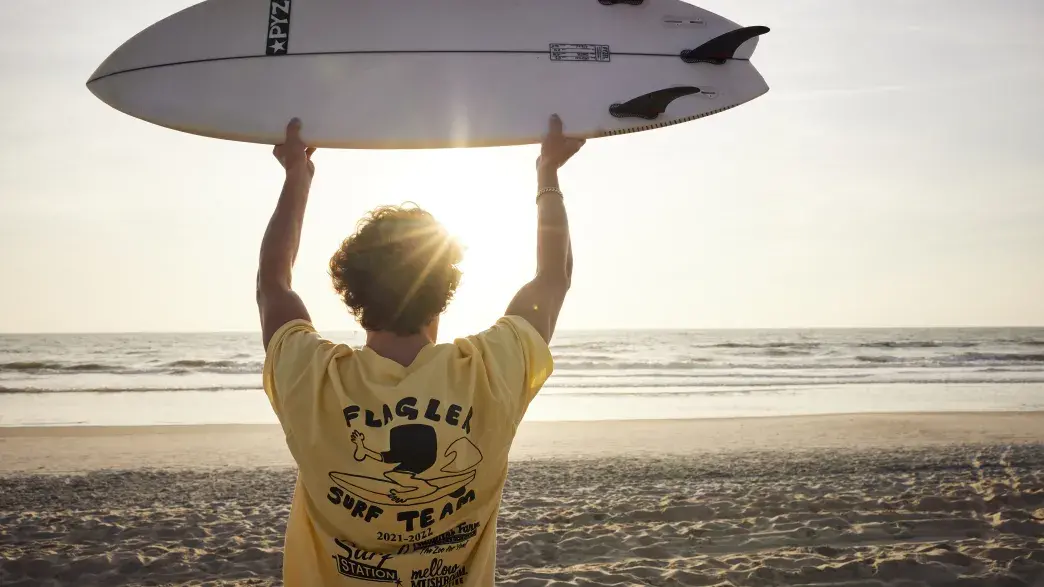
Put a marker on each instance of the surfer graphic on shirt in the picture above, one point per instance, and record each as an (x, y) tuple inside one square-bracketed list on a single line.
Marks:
[(413, 471)]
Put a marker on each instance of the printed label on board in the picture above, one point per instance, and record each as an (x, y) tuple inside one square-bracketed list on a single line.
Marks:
[(579, 52), (278, 39)]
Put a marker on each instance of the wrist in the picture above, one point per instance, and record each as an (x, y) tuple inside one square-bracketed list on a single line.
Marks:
[(299, 173), (547, 177)]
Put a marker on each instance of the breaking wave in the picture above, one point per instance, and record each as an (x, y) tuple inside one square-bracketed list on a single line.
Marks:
[(172, 368)]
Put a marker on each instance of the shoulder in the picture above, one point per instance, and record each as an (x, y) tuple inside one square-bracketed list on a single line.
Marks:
[(299, 325), (298, 342), (512, 345), (297, 362), (294, 333), (507, 332)]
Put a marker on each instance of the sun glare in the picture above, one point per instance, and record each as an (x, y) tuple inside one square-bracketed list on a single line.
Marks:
[(482, 196), (494, 266), (490, 221)]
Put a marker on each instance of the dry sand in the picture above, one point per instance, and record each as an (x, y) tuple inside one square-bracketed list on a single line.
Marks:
[(867, 500)]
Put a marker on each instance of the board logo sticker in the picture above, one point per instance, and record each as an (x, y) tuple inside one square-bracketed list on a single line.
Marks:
[(579, 52), (278, 39)]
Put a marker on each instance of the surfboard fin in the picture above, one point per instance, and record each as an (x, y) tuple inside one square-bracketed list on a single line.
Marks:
[(611, 2), (723, 47), (651, 105)]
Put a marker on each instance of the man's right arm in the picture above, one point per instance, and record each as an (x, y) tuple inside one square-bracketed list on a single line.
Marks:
[(540, 301)]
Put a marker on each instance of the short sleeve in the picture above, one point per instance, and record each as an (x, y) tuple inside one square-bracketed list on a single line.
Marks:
[(294, 367), (519, 355)]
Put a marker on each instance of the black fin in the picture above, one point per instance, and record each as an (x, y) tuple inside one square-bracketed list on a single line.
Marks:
[(723, 47), (652, 104), (611, 2)]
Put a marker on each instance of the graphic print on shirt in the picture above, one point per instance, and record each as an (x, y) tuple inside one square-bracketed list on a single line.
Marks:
[(439, 574), (412, 462), (361, 564), (411, 471), (450, 540)]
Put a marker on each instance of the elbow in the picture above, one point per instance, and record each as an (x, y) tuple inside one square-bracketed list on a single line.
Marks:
[(559, 281), (268, 281)]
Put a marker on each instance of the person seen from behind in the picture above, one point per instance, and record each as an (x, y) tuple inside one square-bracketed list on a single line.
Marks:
[(402, 444)]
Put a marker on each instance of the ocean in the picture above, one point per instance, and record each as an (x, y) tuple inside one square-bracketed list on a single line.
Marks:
[(155, 379)]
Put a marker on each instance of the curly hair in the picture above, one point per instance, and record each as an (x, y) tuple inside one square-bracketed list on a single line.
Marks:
[(398, 272)]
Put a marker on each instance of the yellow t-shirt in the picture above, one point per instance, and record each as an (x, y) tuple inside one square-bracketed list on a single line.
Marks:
[(400, 468)]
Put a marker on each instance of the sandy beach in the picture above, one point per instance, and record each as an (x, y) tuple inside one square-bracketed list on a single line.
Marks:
[(867, 500)]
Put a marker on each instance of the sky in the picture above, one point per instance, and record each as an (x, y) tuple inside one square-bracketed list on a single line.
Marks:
[(892, 176)]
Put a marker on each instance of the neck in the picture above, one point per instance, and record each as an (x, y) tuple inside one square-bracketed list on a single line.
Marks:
[(402, 349)]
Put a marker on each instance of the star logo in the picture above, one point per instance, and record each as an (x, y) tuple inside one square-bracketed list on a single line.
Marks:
[(278, 47)]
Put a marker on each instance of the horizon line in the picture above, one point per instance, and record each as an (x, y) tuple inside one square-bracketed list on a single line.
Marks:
[(558, 331)]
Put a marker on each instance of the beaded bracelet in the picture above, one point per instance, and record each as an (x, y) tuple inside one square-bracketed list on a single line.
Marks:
[(543, 191)]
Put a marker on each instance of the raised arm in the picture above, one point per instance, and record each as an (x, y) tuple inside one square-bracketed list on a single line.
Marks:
[(276, 300), (540, 300)]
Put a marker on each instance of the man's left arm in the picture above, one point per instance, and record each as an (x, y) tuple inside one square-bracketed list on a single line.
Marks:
[(277, 302)]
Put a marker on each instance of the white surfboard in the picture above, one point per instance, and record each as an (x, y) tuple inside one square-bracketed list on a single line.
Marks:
[(380, 74)]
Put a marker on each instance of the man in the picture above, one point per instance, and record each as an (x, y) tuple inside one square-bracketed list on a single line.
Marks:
[(402, 445)]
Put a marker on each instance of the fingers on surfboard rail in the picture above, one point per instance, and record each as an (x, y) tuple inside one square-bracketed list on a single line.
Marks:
[(723, 47)]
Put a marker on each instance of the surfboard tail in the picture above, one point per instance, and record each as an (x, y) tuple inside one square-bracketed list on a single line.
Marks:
[(723, 47)]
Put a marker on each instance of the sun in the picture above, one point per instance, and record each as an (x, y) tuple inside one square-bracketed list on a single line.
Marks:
[(498, 260), (493, 217), (484, 198)]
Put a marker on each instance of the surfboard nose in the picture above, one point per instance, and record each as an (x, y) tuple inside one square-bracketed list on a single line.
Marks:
[(100, 83), (97, 86), (190, 35), (135, 53), (103, 69)]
